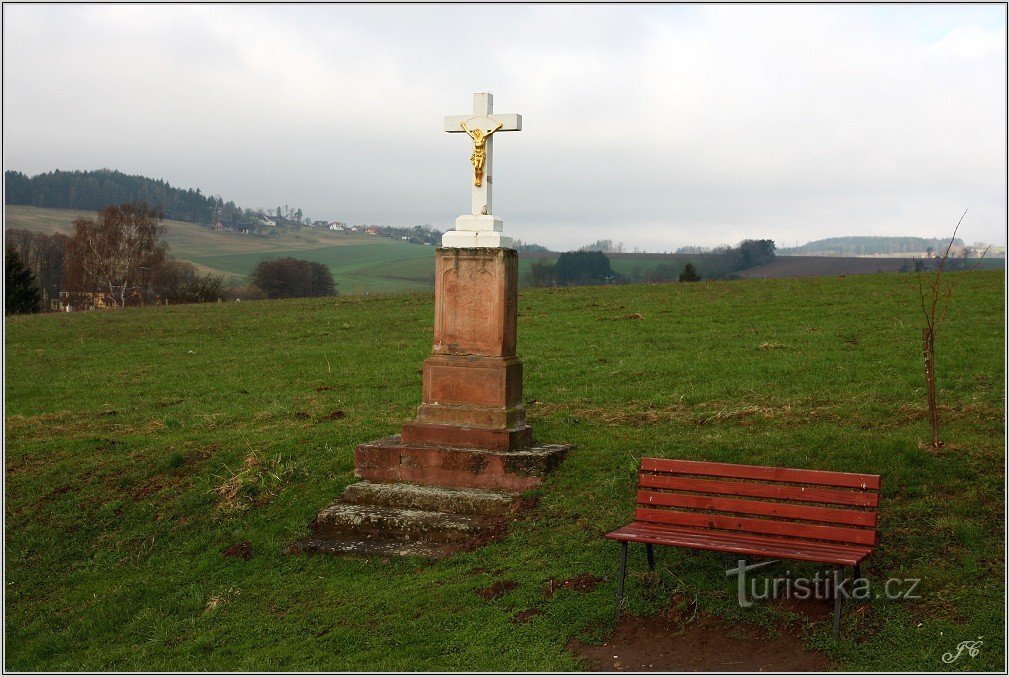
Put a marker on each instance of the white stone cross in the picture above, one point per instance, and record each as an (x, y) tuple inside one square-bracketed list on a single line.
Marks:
[(481, 126)]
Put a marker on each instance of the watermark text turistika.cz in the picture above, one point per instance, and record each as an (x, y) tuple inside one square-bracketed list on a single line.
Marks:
[(820, 587)]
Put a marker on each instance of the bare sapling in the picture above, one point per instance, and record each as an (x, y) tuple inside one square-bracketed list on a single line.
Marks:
[(935, 301)]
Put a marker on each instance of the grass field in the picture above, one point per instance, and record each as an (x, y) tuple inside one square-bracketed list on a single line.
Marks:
[(120, 425), (383, 265)]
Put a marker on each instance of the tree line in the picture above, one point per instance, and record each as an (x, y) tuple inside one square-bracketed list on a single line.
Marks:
[(119, 259), (594, 267), (573, 269), (94, 190)]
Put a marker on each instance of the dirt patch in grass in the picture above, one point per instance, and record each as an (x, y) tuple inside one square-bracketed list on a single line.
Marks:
[(580, 583), (243, 550), (527, 615), (662, 644), (496, 590), (336, 415), (813, 610)]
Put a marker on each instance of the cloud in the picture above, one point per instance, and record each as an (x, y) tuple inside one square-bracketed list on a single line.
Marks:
[(655, 125)]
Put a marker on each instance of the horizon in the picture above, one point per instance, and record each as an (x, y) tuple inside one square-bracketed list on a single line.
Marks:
[(695, 126), (636, 250)]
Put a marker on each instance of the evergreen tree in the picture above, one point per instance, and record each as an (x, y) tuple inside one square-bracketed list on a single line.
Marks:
[(22, 294), (689, 274)]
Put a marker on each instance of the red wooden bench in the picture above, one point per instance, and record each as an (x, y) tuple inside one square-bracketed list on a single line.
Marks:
[(779, 513)]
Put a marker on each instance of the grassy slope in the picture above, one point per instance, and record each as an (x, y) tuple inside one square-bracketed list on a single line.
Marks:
[(359, 262), (119, 424), (369, 265)]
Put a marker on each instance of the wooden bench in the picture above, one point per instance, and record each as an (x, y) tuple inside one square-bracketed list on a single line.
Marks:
[(778, 513)]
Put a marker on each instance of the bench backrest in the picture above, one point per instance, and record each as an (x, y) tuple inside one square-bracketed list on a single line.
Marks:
[(811, 504)]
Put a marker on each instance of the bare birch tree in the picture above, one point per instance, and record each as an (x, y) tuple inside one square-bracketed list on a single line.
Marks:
[(935, 301), (117, 254)]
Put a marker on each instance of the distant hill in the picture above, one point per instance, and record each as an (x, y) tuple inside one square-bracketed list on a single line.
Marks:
[(94, 190), (867, 245)]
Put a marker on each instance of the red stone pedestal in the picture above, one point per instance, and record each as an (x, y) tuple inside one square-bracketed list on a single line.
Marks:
[(451, 479), (473, 381)]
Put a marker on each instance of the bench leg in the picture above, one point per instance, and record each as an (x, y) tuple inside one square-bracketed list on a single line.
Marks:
[(856, 572), (651, 556), (838, 601), (620, 579)]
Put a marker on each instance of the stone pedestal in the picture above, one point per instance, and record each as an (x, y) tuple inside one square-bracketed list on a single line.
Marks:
[(473, 379), (470, 438)]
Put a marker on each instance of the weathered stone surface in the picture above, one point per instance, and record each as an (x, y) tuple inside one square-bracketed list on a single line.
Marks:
[(390, 460), (407, 524), (418, 497), (476, 295), (491, 439), (473, 380)]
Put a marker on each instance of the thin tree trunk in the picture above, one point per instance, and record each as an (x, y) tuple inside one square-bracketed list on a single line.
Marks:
[(929, 357)]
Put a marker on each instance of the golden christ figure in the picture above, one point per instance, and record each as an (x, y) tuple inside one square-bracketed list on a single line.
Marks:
[(479, 142)]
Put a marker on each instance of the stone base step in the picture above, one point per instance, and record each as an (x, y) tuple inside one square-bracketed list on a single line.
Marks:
[(374, 547), (347, 520), (391, 460), (432, 498)]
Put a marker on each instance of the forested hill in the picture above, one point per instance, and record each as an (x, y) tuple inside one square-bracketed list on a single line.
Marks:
[(94, 190), (867, 245)]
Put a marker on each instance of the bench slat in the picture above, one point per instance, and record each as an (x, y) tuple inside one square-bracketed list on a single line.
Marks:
[(809, 546), (768, 546), (758, 472), (771, 509), (760, 526), (864, 499)]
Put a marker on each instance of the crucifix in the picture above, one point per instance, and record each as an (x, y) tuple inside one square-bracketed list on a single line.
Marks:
[(481, 126)]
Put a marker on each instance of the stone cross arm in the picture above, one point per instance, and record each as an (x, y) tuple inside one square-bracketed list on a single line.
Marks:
[(510, 122)]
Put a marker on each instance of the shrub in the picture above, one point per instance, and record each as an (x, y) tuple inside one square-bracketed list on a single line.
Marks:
[(293, 278)]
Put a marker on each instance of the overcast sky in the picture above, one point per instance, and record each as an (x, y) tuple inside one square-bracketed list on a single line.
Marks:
[(658, 126)]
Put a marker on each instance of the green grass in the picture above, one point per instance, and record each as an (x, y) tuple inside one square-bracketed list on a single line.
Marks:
[(120, 425), (383, 265)]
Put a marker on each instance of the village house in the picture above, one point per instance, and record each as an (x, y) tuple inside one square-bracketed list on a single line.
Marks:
[(371, 230), (82, 300)]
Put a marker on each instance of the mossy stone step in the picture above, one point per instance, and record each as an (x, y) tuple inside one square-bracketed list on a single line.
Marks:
[(437, 499), (405, 524)]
